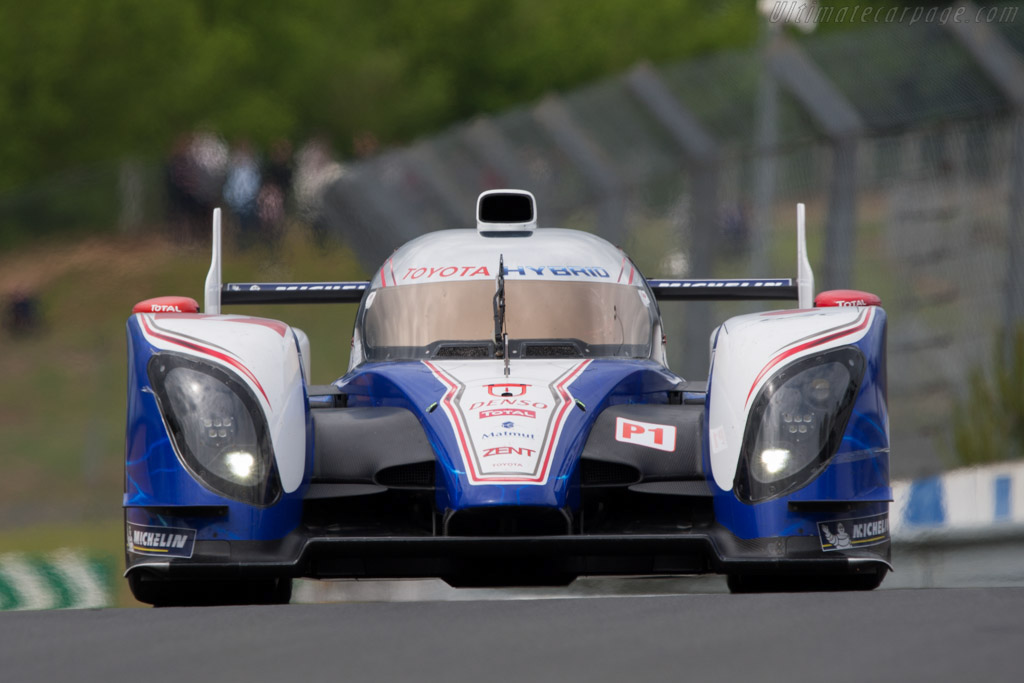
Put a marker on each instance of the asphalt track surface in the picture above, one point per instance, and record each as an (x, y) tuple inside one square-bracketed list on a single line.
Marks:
[(895, 635)]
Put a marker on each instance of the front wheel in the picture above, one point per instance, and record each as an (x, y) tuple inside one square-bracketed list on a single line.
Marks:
[(161, 592), (761, 583)]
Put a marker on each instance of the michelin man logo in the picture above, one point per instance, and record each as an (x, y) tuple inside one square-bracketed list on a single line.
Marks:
[(840, 540), (848, 534)]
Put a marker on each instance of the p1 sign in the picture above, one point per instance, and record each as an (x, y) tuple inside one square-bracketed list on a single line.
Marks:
[(651, 435)]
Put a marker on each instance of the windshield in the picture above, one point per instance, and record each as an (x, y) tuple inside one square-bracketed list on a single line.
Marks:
[(544, 319)]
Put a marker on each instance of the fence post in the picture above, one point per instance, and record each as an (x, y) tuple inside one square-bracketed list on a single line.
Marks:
[(425, 162), (701, 158), (997, 59), (555, 119), (840, 121), (486, 140)]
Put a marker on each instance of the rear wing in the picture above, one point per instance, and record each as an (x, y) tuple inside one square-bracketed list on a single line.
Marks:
[(351, 292)]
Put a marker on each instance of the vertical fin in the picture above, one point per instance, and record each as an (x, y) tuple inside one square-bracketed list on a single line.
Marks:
[(211, 304), (804, 274)]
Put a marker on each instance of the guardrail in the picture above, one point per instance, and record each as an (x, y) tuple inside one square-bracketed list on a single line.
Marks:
[(963, 528)]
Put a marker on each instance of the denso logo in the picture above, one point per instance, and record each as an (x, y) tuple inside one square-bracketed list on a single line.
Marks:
[(508, 450), (518, 402)]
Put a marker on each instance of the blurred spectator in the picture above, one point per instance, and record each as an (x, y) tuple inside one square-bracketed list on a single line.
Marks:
[(242, 190), (22, 313), (272, 201), (316, 170), (194, 174), (365, 144), (736, 228)]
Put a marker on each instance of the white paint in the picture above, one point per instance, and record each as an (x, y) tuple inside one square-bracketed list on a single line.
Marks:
[(746, 347), (273, 360), (804, 274), (484, 401), (211, 303)]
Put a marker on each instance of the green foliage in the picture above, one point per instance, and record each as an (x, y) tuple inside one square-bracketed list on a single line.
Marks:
[(989, 423), (87, 81)]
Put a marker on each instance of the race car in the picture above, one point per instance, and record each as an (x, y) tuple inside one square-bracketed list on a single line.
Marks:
[(508, 418)]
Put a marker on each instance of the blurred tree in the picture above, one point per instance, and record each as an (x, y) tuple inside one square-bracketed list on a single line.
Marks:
[(98, 80)]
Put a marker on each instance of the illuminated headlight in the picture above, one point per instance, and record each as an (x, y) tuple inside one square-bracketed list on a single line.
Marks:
[(796, 423), (217, 428)]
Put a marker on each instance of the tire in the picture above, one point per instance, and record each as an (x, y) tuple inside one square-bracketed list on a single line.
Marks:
[(759, 583), (161, 592)]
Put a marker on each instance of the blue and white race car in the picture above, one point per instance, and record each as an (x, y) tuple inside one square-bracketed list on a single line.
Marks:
[(507, 418)]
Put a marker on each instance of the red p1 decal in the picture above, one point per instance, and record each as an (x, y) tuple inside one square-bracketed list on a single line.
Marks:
[(661, 437)]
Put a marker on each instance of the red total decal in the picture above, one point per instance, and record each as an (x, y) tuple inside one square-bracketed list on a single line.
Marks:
[(513, 412), (846, 297), (167, 304)]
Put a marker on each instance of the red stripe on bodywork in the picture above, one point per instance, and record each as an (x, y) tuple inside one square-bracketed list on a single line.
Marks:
[(446, 403), (192, 346), (468, 458), (803, 347)]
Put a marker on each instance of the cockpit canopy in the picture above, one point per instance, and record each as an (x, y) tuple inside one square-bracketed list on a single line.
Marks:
[(543, 319)]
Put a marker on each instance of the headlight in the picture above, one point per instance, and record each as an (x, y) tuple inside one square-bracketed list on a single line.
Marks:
[(796, 423), (217, 428)]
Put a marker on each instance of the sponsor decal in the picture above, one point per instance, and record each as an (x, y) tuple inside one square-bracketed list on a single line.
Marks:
[(651, 435), (509, 453), (558, 271), (860, 532), (508, 450), (414, 273), (718, 441), (509, 412), (508, 402), (162, 541), (508, 434), (507, 390), (446, 272)]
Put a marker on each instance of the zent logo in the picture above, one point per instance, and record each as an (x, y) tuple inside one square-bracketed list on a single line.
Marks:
[(661, 437), (508, 450)]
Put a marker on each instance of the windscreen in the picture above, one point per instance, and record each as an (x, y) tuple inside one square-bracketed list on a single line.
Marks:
[(542, 318)]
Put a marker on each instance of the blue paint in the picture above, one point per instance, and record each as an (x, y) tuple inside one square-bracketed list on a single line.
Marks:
[(1003, 500), (926, 506)]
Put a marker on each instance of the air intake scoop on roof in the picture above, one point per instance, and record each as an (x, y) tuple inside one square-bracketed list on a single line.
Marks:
[(506, 213)]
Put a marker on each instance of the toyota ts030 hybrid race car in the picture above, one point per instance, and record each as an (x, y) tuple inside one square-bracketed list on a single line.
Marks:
[(507, 418)]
